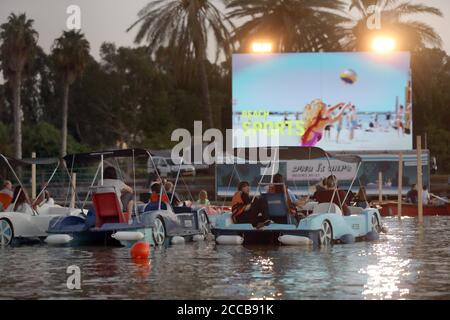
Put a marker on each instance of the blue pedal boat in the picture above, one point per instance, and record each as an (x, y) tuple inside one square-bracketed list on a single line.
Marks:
[(106, 224), (323, 225)]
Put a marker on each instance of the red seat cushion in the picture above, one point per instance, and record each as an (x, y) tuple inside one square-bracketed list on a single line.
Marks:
[(108, 209)]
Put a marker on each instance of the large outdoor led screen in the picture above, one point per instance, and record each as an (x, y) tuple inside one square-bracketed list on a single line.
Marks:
[(336, 101)]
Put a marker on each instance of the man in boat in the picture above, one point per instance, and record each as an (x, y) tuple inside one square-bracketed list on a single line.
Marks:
[(246, 210), (332, 194), (124, 193), (412, 194), (6, 195)]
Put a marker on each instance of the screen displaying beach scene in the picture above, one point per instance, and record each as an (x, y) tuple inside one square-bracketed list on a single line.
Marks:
[(335, 101)]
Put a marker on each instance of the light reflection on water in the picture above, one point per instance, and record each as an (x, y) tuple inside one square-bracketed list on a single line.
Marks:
[(409, 263)]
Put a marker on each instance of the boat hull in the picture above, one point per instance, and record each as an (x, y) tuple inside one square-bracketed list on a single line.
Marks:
[(411, 210)]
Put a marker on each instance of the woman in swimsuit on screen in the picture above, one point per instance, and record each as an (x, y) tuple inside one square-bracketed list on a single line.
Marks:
[(316, 117)]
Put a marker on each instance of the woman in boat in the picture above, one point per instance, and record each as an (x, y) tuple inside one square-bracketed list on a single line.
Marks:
[(333, 194), (321, 186), (361, 198), (44, 198), (244, 210), (171, 194), (20, 202), (316, 117), (124, 193)]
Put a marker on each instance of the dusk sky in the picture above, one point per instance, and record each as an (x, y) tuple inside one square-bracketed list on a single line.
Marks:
[(107, 20)]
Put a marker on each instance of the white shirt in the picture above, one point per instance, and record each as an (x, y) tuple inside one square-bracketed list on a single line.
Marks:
[(50, 201), (117, 184), (7, 191), (425, 196), (23, 208)]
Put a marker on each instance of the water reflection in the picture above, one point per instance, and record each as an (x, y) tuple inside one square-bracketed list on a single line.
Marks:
[(411, 262)]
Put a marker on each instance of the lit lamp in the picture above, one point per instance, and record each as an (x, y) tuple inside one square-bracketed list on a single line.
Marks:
[(262, 47), (383, 44)]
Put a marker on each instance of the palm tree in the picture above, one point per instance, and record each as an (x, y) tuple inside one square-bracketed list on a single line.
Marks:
[(19, 42), (183, 26), (71, 55), (395, 19), (291, 25)]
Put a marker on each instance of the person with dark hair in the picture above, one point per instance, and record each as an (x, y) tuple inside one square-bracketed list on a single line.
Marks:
[(20, 202), (361, 198), (321, 185), (412, 194), (332, 194), (245, 210), (156, 194), (44, 198), (124, 193)]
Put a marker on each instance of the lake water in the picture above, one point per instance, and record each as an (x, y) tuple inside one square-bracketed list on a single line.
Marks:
[(410, 262)]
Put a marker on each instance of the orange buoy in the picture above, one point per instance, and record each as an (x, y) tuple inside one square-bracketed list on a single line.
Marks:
[(140, 250)]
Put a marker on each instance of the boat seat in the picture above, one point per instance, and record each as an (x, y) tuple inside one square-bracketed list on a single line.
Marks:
[(325, 207), (153, 206), (57, 210), (277, 207), (108, 209), (309, 206), (355, 210), (182, 209), (5, 201)]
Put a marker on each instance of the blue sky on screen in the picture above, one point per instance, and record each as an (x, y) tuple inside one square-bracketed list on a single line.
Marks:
[(287, 82)]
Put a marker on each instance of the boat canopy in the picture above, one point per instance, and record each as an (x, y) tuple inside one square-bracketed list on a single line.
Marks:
[(97, 155), (303, 153), (29, 161)]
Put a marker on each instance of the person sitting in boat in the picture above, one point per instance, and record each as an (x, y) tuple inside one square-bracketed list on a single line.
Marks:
[(6, 195), (321, 186), (45, 198), (361, 198), (279, 186), (412, 194), (20, 202), (124, 192), (156, 195), (203, 199), (332, 194), (246, 210), (425, 196), (171, 194)]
